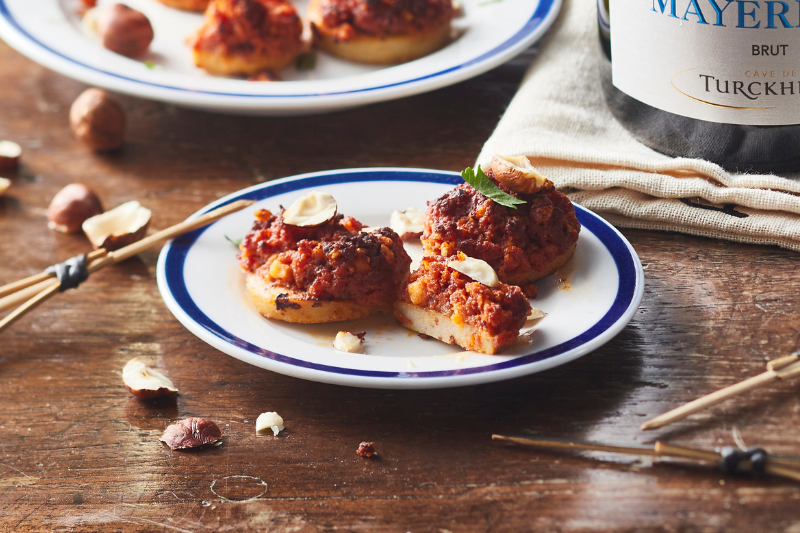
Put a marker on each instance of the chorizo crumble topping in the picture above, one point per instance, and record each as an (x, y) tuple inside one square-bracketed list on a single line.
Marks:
[(382, 17), (269, 236), (365, 267), (243, 27), (499, 311), (333, 261), (510, 240)]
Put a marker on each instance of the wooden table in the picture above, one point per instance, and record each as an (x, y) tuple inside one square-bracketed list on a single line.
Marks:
[(79, 454)]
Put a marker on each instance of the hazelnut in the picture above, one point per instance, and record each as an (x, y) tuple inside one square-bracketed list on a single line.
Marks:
[(97, 120), (517, 174), (71, 206), (124, 30), (144, 382), (10, 152)]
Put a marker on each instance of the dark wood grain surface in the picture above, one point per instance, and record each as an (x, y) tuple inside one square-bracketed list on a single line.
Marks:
[(77, 453)]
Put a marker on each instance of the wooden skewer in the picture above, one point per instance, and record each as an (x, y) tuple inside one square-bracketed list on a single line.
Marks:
[(25, 294), (775, 465), (104, 259), (40, 277), (17, 313), (783, 368)]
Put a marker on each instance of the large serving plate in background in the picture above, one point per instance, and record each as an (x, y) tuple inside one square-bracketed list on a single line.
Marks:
[(588, 302), (50, 32)]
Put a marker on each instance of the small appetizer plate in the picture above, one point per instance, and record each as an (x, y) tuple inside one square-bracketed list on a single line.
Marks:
[(50, 32), (587, 302)]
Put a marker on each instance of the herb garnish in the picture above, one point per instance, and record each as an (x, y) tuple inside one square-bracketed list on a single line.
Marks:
[(487, 187), (235, 242)]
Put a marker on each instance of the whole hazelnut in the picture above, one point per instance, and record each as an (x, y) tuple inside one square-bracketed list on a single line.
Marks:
[(124, 30), (97, 120), (71, 206)]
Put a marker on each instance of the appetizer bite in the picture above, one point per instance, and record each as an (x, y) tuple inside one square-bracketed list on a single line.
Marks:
[(187, 5), (459, 300), (382, 31), (529, 238), (309, 264), (244, 37)]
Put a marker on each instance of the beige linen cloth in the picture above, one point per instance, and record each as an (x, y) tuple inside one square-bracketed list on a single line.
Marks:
[(560, 120)]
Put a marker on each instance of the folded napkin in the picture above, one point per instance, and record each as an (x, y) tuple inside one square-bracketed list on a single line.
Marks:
[(560, 120)]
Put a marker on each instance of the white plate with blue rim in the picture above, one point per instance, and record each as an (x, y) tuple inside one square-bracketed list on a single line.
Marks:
[(50, 32), (587, 302)]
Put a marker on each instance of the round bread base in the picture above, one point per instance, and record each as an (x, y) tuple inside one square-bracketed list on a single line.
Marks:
[(241, 65), (523, 278), (187, 5), (379, 50), (274, 301), (439, 326)]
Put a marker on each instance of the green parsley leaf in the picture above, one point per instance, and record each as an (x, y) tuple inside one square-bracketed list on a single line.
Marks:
[(150, 65), (235, 242), (306, 61), (485, 186)]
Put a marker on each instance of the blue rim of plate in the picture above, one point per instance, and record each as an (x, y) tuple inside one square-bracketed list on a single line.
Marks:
[(539, 16), (629, 292)]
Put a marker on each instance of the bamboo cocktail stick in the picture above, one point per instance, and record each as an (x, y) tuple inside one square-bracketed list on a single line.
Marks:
[(104, 259), (25, 294), (777, 466), (40, 277), (783, 368)]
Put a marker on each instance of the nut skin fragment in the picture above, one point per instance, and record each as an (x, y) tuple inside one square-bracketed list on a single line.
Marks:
[(97, 120), (144, 382), (366, 449), (517, 174), (71, 206), (191, 433), (124, 30)]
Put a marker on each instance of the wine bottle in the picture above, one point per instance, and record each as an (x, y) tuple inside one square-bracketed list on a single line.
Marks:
[(711, 79)]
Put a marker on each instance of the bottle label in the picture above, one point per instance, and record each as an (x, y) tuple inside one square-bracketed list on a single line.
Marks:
[(734, 61)]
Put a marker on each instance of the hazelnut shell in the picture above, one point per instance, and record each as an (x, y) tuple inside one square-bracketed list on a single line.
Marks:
[(118, 227), (517, 174), (144, 382)]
